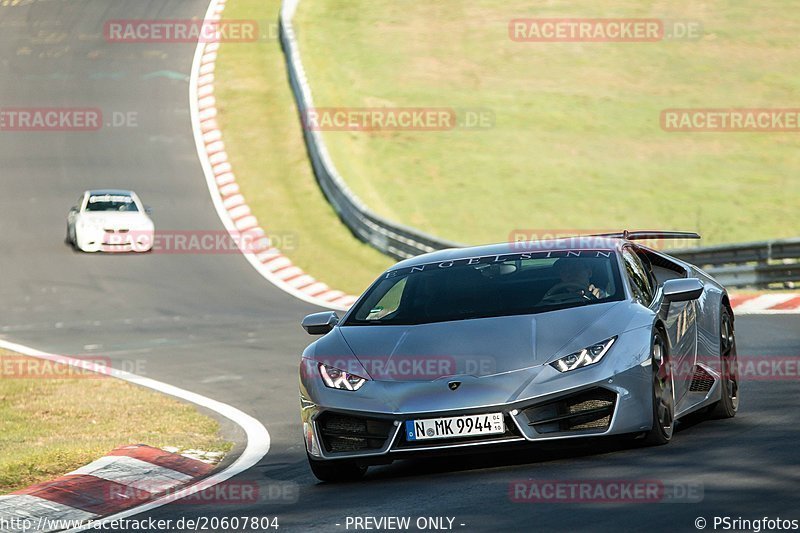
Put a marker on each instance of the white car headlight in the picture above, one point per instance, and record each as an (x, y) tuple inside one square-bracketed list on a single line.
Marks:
[(143, 223), (89, 224), (90, 228), (339, 379), (588, 356)]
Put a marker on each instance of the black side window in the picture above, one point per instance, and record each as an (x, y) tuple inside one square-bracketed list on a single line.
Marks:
[(640, 279), (648, 268)]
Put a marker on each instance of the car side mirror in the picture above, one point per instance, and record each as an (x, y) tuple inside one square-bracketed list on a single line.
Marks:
[(682, 290), (148, 210), (320, 323), (73, 209)]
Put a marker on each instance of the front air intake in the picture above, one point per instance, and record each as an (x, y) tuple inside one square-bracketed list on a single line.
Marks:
[(588, 411), (346, 433)]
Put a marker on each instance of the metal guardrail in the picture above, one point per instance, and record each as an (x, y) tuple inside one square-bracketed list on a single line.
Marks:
[(391, 238), (758, 264), (752, 264)]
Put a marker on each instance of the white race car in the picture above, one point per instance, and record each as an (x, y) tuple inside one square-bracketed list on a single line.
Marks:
[(110, 220)]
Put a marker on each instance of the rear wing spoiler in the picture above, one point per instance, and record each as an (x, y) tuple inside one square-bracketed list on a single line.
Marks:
[(645, 235)]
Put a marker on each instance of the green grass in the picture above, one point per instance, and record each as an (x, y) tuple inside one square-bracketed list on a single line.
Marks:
[(49, 427), (263, 138), (577, 143)]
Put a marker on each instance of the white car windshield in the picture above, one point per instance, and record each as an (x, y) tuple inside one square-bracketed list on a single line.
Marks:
[(111, 202)]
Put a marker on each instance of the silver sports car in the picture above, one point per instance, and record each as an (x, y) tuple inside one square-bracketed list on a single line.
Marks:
[(501, 345)]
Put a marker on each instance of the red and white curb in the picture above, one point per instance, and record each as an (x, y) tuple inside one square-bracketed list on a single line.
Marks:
[(128, 476), (765, 304), (256, 447), (228, 200)]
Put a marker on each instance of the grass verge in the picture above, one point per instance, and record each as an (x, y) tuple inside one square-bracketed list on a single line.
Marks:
[(577, 143), (264, 141), (51, 425)]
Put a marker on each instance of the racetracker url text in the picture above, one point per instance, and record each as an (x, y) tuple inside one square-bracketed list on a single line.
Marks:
[(200, 523)]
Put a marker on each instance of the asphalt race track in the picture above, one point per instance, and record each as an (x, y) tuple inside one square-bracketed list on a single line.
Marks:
[(210, 324)]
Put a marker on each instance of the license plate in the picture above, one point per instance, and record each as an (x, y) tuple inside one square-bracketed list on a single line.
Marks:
[(455, 426)]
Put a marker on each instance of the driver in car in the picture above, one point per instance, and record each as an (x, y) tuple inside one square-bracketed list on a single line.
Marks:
[(576, 274)]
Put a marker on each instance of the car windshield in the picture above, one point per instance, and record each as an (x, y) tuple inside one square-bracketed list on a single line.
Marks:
[(482, 287), (111, 202)]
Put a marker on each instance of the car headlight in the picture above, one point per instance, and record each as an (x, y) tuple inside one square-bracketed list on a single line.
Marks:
[(588, 356), (144, 224), (339, 379), (92, 225)]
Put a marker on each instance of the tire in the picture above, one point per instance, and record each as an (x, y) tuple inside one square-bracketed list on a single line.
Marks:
[(336, 471), (72, 242), (728, 404), (663, 394)]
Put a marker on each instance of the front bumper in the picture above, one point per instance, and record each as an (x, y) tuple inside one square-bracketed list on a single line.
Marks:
[(115, 240), (612, 404)]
